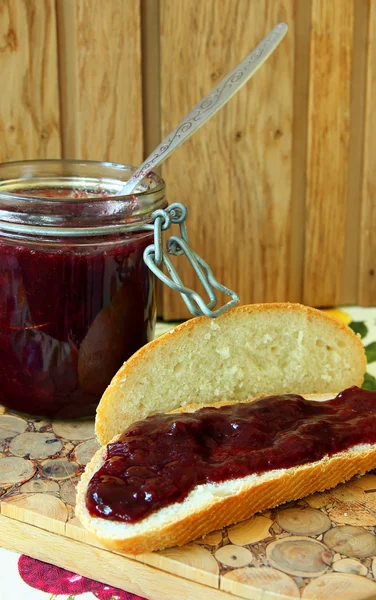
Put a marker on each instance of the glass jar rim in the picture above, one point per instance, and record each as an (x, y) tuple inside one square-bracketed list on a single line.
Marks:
[(103, 212)]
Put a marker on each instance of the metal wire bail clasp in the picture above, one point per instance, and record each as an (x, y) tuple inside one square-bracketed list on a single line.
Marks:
[(155, 256)]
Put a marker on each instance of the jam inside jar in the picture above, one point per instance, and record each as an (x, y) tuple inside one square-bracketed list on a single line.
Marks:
[(76, 298)]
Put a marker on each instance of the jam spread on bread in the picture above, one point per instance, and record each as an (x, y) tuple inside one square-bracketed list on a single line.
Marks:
[(158, 461)]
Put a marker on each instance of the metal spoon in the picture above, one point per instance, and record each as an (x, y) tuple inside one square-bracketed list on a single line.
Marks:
[(209, 105)]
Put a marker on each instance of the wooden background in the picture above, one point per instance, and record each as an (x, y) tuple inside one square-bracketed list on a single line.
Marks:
[(280, 184)]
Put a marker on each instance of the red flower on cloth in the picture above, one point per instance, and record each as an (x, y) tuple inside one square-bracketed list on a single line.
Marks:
[(55, 580)]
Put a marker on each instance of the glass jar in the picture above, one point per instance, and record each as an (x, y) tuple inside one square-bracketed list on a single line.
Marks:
[(76, 298)]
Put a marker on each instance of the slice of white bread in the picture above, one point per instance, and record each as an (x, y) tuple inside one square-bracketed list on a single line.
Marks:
[(215, 505), (250, 350)]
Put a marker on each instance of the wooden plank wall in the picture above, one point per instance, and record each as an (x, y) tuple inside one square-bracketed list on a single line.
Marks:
[(280, 184), (100, 79), (230, 172), (71, 71), (367, 271), (329, 103), (300, 192), (29, 105)]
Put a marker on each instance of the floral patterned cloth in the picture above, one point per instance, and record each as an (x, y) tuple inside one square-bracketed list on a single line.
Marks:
[(24, 578)]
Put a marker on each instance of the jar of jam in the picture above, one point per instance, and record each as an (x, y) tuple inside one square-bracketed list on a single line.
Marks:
[(76, 297)]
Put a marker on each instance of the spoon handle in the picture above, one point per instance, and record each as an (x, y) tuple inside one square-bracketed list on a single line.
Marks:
[(213, 102)]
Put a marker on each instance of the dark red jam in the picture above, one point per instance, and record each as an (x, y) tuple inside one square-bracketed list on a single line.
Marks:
[(160, 460), (70, 315)]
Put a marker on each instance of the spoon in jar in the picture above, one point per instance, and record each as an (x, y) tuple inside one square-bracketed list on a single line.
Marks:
[(207, 107)]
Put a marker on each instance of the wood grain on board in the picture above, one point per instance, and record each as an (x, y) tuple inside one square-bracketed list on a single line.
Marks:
[(331, 48), (100, 79), (367, 271), (313, 548), (235, 174), (101, 565), (29, 108)]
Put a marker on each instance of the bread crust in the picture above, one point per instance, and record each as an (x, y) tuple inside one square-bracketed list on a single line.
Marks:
[(106, 424), (291, 484)]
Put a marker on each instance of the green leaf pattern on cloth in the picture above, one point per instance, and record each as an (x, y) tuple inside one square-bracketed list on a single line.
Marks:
[(363, 322), (369, 382), (359, 327), (371, 352)]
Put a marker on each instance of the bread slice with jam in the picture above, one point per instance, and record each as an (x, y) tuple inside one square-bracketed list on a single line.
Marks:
[(212, 505), (252, 351)]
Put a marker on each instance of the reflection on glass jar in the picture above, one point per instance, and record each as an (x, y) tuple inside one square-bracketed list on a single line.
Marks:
[(76, 299)]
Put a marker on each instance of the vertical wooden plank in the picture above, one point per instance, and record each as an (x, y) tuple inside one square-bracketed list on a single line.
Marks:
[(29, 108), (100, 79), (328, 150), (235, 174), (302, 27), (151, 101), (367, 272), (151, 98), (356, 150)]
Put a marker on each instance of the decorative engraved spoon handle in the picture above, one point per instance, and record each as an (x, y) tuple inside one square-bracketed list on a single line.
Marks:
[(209, 105)]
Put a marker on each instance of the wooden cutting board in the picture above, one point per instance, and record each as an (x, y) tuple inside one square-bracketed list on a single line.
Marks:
[(322, 547)]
